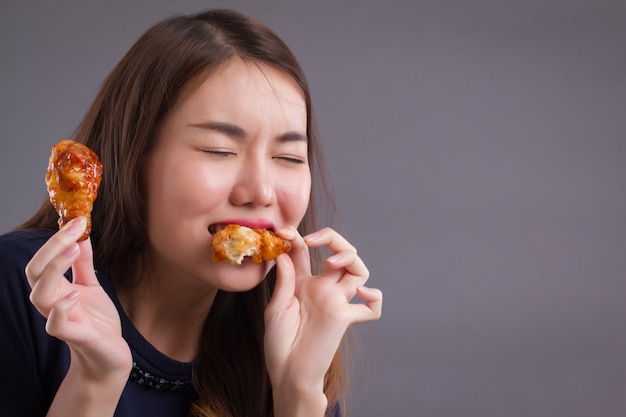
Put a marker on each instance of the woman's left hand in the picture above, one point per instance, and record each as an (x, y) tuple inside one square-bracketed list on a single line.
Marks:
[(308, 315)]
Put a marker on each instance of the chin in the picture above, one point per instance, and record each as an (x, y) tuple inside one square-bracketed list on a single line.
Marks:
[(240, 278)]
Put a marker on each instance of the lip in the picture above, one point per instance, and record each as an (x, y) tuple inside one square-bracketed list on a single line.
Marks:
[(253, 223)]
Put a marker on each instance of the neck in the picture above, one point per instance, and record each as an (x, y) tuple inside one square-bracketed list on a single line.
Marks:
[(168, 315)]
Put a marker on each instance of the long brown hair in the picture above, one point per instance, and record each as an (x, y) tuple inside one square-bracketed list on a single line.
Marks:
[(166, 61)]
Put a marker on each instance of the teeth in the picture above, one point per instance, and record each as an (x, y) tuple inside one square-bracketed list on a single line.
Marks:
[(214, 228)]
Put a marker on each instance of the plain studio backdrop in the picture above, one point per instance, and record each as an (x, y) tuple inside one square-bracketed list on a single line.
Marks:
[(477, 149)]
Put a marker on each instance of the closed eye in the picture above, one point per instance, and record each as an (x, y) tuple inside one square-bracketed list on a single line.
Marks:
[(292, 160), (218, 152)]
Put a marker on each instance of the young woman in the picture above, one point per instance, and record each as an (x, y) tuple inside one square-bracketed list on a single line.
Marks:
[(206, 121)]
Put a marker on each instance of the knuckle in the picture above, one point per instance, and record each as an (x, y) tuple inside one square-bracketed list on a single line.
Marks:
[(52, 327), (32, 297), (31, 272), (39, 302)]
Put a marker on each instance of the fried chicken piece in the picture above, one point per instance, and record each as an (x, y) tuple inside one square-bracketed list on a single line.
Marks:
[(73, 177), (234, 242)]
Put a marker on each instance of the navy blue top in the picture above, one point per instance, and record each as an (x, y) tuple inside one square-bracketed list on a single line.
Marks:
[(33, 363)]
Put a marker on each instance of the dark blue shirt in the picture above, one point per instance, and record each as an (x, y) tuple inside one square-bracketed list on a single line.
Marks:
[(34, 363)]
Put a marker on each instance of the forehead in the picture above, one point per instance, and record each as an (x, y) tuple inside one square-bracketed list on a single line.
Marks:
[(245, 86)]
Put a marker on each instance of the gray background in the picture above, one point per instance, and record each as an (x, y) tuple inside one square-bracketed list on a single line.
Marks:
[(477, 150)]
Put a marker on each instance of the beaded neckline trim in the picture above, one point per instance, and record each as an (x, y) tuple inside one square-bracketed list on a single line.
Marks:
[(145, 379)]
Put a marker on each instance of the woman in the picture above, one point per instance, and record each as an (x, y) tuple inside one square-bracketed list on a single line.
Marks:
[(206, 121)]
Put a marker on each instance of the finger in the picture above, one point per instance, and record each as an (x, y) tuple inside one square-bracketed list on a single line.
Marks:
[(371, 309), (47, 286), (342, 251), (330, 238), (285, 287), (58, 243), (83, 270), (351, 262), (299, 252), (351, 269), (58, 324)]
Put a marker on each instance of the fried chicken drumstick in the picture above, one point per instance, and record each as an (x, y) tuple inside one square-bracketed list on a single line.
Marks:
[(234, 242), (73, 177)]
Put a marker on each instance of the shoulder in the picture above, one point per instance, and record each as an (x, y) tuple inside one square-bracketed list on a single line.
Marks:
[(20, 244), (33, 362), (16, 249)]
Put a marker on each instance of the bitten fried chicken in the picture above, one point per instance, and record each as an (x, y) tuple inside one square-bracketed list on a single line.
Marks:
[(73, 177), (233, 243)]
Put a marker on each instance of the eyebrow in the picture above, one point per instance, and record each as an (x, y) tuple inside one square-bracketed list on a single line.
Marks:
[(236, 132), (225, 128), (293, 137)]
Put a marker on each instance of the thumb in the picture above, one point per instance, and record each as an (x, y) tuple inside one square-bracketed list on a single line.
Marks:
[(285, 288), (83, 270)]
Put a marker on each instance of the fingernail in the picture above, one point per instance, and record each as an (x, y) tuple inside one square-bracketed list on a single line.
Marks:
[(335, 258), (363, 289), (75, 226), (312, 237), (287, 232), (367, 291)]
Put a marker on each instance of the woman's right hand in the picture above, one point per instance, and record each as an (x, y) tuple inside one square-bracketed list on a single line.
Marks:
[(79, 312)]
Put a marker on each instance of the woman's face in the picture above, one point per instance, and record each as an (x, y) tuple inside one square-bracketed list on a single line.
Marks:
[(234, 150)]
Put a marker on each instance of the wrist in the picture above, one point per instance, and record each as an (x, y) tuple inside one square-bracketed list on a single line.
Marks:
[(111, 380), (98, 369), (296, 400), (83, 394), (100, 376)]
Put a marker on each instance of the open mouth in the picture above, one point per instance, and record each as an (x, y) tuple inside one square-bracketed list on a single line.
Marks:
[(233, 243), (216, 227)]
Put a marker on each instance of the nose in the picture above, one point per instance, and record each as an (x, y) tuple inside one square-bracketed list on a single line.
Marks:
[(253, 186)]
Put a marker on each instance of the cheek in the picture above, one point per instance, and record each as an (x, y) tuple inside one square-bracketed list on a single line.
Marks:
[(185, 189), (294, 198)]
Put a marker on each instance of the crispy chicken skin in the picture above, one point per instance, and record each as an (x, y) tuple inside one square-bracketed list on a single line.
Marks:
[(234, 242), (73, 177)]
